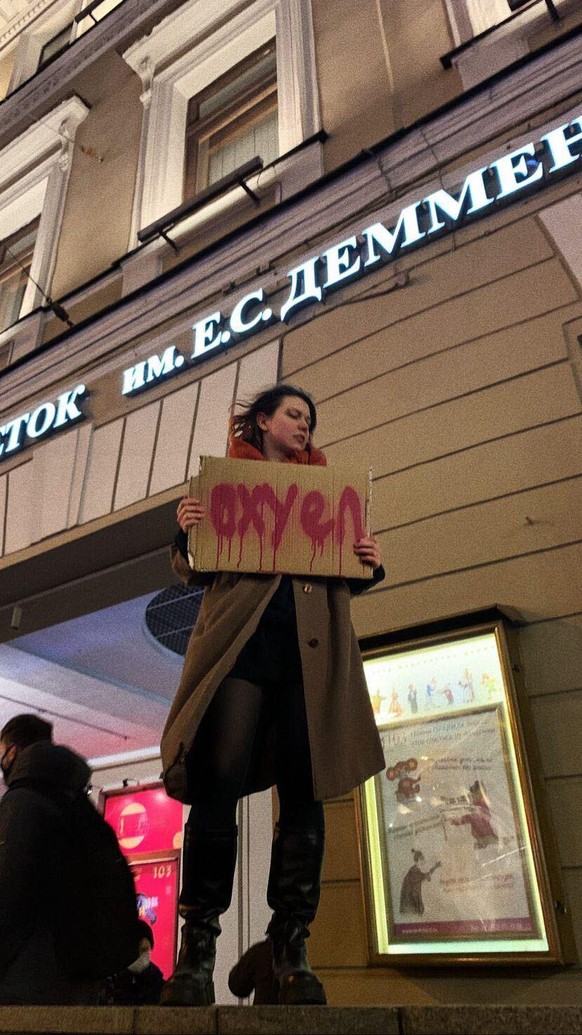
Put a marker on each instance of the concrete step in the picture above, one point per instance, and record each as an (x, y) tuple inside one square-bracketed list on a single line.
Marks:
[(290, 1020)]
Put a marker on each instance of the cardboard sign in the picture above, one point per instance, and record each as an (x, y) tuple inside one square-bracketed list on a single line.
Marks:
[(273, 517)]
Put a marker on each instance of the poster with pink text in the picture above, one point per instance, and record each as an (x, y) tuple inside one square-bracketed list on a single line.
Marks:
[(145, 820), (272, 517), (156, 888), (454, 850)]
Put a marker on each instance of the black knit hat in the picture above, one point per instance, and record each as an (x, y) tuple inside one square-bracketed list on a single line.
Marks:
[(144, 931), (26, 729)]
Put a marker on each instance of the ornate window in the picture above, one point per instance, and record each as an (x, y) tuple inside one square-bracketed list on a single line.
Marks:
[(36, 35), (490, 35), (232, 121), (36, 32), (219, 78), (16, 254), (469, 18), (55, 45), (34, 172)]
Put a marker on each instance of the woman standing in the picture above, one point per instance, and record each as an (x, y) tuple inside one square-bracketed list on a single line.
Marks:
[(272, 692)]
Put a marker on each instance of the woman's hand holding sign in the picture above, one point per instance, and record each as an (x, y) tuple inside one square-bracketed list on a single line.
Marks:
[(369, 552), (190, 512)]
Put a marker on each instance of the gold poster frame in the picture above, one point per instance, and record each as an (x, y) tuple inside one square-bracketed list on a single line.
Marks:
[(458, 854)]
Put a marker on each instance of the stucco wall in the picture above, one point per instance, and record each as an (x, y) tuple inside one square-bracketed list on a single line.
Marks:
[(462, 391), (102, 179), (378, 69)]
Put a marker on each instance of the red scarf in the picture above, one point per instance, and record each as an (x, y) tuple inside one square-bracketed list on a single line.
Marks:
[(241, 450)]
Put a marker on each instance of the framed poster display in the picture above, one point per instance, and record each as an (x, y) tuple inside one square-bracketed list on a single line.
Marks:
[(148, 826), (455, 863), (157, 888)]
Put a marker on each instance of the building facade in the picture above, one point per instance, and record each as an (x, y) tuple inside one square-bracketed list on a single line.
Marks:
[(379, 205)]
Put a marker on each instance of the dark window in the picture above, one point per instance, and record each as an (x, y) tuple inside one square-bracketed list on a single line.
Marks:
[(233, 120), (53, 47), (15, 261)]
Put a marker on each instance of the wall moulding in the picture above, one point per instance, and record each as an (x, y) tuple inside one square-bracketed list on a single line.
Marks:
[(190, 48), (31, 100), (195, 289), (22, 20)]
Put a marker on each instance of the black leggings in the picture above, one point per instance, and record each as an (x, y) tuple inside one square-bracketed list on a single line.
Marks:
[(219, 764)]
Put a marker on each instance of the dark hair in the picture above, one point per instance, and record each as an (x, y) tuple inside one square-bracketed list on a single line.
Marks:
[(244, 424), (23, 730)]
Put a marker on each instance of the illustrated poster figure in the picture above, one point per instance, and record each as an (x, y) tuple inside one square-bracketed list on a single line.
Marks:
[(376, 699), (466, 687), (411, 901), (448, 694), (429, 691), (395, 708), (478, 818)]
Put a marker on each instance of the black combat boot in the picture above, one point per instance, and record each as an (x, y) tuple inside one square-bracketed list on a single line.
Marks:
[(293, 895), (209, 864)]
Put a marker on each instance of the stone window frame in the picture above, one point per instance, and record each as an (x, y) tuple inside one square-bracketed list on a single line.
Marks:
[(183, 54), (249, 104), (490, 36), (469, 18), (34, 174), (30, 33)]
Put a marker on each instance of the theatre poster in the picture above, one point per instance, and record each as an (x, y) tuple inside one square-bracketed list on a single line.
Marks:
[(148, 826), (455, 867)]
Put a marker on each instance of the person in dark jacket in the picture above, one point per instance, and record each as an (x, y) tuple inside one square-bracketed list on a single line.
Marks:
[(141, 982), (31, 846)]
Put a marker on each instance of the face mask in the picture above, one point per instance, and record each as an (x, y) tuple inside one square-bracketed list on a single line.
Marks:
[(6, 766), (140, 964)]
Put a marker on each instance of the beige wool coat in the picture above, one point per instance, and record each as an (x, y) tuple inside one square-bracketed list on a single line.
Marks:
[(344, 741)]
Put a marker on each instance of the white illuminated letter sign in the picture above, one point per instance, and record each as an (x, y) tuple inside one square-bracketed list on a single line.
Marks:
[(12, 434), (304, 287), (41, 420), (310, 281), (151, 370), (239, 322), (133, 378), (67, 409), (560, 144), (207, 335), (405, 233), (513, 171), (161, 366), (337, 260), (47, 417), (441, 201)]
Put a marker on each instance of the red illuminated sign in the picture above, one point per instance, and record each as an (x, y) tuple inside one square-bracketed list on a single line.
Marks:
[(145, 821), (156, 886)]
